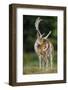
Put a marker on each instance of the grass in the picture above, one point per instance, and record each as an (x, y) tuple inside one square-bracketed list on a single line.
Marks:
[(31, 64)]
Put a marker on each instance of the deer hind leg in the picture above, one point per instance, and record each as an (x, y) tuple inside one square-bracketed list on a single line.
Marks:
[(40, 62), (43, 64)]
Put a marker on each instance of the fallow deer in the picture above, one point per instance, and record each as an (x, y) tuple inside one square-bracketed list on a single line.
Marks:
[(43, 47)]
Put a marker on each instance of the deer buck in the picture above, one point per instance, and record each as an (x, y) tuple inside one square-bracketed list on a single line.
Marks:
[(43, 47)]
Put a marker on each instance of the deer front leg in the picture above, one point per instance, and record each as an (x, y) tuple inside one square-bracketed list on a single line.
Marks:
[(51, 61), (40, 62)]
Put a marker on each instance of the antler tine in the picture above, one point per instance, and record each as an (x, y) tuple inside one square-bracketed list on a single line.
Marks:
[(42, 35), (47, 35), (37, 24)]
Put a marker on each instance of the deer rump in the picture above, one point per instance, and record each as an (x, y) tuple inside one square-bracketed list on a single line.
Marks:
[(44, 51)]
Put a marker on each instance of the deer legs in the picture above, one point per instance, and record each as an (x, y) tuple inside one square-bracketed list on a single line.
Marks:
[(40, 62)]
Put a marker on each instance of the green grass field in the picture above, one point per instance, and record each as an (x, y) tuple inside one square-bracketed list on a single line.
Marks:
[(31, 64)]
